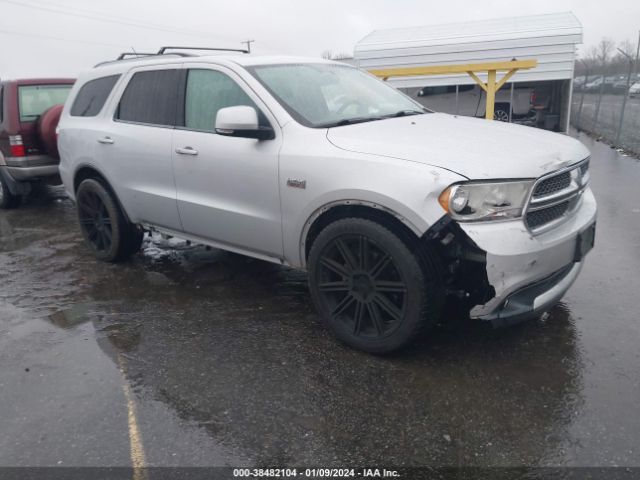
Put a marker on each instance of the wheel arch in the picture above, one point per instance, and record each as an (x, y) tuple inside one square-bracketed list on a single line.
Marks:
[(86, 171), (340, 209)]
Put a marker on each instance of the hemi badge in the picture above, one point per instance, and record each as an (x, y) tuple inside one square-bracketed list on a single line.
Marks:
[(296, 183)]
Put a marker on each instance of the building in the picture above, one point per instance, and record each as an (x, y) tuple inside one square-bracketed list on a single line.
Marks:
[(550, 39)]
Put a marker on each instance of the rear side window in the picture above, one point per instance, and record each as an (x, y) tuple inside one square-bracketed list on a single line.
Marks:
[(92, 95), (33, 100), (151, 98)]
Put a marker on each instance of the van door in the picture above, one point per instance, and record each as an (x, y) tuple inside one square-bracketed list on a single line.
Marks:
[(138, 145), (227, 187)]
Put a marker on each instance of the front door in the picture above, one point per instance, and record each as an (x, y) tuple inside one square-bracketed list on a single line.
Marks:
[(227, 187)]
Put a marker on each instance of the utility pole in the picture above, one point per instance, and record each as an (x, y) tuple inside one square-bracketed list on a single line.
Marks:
[(248, 42), (626, 95), (638, 57)]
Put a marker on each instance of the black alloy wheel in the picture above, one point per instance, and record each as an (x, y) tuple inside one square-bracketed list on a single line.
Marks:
[(369, 287), (104, 227), (95, 221)]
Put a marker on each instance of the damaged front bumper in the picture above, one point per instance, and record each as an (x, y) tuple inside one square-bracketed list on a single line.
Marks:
[(526, 274)]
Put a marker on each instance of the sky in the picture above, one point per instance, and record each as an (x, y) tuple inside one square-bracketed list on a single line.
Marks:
[(64, 37)]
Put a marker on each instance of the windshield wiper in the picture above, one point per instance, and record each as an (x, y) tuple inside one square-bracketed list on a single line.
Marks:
[(350, 121), (404, 113)]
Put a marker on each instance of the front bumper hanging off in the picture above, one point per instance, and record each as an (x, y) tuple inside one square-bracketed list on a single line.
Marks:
[(526, 274)]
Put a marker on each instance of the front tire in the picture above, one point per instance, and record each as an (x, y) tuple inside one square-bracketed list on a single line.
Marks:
[(370, 288), (104, 227)]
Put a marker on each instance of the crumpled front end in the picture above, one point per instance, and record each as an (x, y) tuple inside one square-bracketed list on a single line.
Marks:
[(505, 271)]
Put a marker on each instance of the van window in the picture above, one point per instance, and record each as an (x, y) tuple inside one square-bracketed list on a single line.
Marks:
[(427, 91), (441, 90), (207, 92), (33, 100), (1, 103), (92, 95), (150, 97)]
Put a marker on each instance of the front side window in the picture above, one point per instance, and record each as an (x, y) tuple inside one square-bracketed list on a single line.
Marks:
[(150, 98), (207, 92), (326, 95), (92, 95), (33, 100)]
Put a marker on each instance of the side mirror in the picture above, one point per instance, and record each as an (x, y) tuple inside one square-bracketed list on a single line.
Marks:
[(241, 121)]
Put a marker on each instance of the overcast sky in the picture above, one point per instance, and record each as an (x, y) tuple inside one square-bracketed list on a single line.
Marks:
[(63, 37)]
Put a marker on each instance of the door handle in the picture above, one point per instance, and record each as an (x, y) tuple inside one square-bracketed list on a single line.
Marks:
[(106, 140), (186, 151)]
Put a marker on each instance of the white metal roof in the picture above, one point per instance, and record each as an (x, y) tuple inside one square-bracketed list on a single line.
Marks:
[(551, 39)]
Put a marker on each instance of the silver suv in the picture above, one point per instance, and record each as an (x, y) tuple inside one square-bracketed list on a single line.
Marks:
[(395, 211)]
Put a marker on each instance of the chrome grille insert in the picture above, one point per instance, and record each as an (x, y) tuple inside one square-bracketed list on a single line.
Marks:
[(553, 184), (555, 196)]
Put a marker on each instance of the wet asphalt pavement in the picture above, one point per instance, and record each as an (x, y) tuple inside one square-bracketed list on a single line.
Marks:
[(188, 357)]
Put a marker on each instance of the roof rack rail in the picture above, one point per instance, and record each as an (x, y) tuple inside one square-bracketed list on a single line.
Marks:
[(124, 55), (163, 50)]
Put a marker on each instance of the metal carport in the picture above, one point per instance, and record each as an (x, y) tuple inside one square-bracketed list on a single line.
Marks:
[(550, 39)]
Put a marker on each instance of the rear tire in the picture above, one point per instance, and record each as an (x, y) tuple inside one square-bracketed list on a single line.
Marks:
[(107, 232), (370, 288), (7, 199)]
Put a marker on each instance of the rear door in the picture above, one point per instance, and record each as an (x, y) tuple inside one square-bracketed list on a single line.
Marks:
[(227, 187), (135, 148)]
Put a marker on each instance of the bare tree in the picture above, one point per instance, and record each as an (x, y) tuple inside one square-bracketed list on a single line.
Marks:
[(604, 49), (329, 55)]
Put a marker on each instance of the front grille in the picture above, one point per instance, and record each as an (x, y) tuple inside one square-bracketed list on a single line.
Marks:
[(555, 196), (541, 217), (553, 185)]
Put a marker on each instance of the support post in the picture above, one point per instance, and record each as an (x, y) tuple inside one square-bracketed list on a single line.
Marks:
[(491, 95)]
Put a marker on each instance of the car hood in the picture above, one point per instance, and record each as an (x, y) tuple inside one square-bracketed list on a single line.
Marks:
[(474, 148)]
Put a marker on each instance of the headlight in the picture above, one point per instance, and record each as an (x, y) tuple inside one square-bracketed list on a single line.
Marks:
[(485, 201)]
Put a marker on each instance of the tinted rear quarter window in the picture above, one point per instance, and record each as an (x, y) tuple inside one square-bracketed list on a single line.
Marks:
[(92, 96), (151, 98)]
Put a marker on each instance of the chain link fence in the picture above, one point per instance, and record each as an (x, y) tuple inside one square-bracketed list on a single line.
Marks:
[(599, 115)]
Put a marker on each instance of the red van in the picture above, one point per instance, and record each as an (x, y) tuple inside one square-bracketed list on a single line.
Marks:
[(29, 114)]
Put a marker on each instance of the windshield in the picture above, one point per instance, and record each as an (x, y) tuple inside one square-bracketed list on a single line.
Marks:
[(33, 100), (328, 95)]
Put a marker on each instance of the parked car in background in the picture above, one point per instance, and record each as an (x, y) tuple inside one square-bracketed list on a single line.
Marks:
[(471, 100), (579, 82), (395, 211), (593, 84), (634, 90), (29, 113), (620, 84)]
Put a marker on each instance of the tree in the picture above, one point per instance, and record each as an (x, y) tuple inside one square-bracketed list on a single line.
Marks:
[(329, 55)]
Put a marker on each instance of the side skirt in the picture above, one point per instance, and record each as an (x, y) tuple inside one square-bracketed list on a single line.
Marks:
[(214, 244)]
